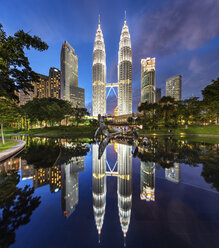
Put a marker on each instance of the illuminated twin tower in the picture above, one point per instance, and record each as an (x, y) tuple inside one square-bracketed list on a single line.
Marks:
[(124, 73)]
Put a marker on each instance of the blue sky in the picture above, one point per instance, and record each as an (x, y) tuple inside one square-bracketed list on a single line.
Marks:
[(183, 35)]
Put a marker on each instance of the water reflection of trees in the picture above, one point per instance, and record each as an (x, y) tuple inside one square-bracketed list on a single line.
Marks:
[(166, 152), (45, 153), (16, 206)]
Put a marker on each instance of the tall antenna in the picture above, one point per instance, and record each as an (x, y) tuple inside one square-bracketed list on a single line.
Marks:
[(99, 20), (125, 16)]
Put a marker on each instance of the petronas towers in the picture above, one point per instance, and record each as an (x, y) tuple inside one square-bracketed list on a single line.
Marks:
[(124, 73)]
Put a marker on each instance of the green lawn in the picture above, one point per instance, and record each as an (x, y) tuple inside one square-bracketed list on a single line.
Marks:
[(211, 130), (8, 144)]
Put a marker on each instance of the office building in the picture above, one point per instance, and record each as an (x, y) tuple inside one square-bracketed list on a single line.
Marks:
[(69, 77), (158, 94), (148, 80), (54, 83), (99, 74), (77, 97), (125, 72), (41, 87), (174, 87), (24, 98)]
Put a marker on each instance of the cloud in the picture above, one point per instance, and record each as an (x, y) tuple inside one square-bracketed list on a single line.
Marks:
[(176, 26)]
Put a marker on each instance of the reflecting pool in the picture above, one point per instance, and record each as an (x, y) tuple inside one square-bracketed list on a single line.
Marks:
[(77, 193)]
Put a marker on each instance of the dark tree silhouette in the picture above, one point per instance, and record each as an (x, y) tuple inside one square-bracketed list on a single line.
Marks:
[(17, 206)]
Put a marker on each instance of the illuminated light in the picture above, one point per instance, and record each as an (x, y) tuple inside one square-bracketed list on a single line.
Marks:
[(125, 177), (98, 176), (148, 196)]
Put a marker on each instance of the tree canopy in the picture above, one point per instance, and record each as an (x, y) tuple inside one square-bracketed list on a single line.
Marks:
[(15, 70)]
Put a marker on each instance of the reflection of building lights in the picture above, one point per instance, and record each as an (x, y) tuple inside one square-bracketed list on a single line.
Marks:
[(116, 147)]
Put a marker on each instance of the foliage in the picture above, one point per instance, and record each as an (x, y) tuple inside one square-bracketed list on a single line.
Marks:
[(78, 114), (16, 206), (50, 110), (52, 152), (9, 112), (15, 71)]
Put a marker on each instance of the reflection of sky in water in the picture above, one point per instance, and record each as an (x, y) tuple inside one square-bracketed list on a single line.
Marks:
[(183, 214)]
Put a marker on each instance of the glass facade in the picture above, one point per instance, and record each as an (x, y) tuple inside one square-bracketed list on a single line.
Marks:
[(69, 70), (174, 87), (77, 96), (148, 80)]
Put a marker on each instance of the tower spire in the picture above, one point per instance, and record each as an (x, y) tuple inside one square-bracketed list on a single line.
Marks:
[(125, 16), (99, 19)]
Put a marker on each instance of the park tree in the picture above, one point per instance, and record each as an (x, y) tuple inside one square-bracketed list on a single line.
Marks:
[(50, 110), (78, 114), (167, 108), (211, 97), (9, 112), (15, 70)]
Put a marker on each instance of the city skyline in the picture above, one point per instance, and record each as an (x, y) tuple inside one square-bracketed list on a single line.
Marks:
[(179, 51)]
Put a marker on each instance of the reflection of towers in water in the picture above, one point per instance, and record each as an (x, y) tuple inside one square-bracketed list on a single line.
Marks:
[(147, 181), (70, 184), (99, 187), (173, 174), (124, 189)]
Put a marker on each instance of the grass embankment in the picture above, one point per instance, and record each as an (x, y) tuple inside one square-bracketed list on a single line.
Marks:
[(70, 131), (196, 130), (192, 133), (8, 144)]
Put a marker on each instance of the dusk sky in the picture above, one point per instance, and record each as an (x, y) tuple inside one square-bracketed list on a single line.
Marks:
[(183, 36)]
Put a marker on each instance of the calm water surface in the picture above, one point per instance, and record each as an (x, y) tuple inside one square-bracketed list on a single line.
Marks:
[(65, 193)]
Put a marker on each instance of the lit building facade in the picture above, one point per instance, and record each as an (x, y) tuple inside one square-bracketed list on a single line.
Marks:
[(99, 187), (41, 87), (158, 94), (99, 74), (125, 72), (54, 83), (147, 181), (148, 80), (174, 87)]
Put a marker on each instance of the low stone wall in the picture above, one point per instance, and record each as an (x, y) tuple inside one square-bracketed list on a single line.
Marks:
[(12, 151)]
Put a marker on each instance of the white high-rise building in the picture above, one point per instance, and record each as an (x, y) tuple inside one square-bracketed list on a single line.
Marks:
[(125, 72), (99, 74), (174, 87)]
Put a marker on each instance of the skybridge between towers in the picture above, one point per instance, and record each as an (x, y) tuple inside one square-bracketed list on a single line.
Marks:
[(112, 86)]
